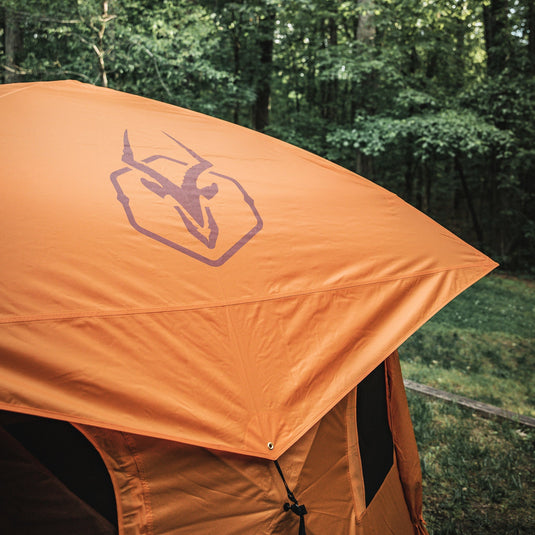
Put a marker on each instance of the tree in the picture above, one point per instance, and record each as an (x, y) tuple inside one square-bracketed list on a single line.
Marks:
[(12, 44)]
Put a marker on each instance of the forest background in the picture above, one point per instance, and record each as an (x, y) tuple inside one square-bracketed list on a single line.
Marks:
[(432, 99)]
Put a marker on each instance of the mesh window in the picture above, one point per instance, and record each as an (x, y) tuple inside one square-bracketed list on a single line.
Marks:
[(375, 438)]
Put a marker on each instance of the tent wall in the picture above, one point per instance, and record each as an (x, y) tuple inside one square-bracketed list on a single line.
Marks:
[(117, 313), (165, 487), (406, 450)]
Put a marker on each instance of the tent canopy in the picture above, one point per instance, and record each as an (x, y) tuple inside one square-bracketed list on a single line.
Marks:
[(170, 274)]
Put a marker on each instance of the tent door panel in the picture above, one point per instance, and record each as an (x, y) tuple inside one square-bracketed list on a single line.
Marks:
[(374, 436)]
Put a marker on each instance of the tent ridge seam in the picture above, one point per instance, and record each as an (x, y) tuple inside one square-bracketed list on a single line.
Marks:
[(18, 90), (163, 310)]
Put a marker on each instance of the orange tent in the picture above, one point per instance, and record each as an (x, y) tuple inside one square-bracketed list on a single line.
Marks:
[(199, 300)]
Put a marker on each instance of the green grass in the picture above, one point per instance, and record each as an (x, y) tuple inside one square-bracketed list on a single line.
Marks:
[(479, 475), (481, 345)]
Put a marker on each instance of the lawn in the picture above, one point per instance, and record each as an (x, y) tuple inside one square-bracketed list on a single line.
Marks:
[(479, 475), (481, 345)]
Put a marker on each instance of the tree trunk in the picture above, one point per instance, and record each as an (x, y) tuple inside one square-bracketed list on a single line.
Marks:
[(531, 37), (266, 28), (496, 37), (469, 201), (364, 165), (409, 171), (366, 26), (460, 53), (12, 45), (426, 205), (331, 103), (100, 48), (236, 45)]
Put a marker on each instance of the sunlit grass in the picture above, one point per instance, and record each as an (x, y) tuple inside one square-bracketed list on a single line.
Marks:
[(482, 345)]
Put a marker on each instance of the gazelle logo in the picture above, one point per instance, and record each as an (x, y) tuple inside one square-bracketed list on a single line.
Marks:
[(186, 205)]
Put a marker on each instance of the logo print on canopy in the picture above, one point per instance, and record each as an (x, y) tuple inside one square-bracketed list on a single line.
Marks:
[(185, 205)]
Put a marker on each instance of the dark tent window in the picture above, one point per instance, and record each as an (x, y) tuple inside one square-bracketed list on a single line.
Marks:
[(375, 438), (52, 480)]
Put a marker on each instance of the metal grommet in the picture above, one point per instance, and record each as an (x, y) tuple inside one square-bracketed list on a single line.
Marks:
[(270, 445)]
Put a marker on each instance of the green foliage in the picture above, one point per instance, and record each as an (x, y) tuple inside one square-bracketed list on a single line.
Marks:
[(443, 134), (167, 53), (434, 100)]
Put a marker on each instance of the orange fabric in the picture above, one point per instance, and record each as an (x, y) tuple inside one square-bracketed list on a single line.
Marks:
[(165, 487), (405, 442), (169, 274)]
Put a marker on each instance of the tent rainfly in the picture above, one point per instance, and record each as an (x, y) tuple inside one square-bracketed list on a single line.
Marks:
[(209, 316)]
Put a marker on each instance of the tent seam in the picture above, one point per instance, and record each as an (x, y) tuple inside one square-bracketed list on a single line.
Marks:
[(164, 310), (15, 91), (131, 447), (244, 371), (84, 430), (390, 349)]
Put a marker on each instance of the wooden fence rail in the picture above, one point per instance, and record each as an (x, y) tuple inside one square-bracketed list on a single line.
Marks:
[(484, 409)]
